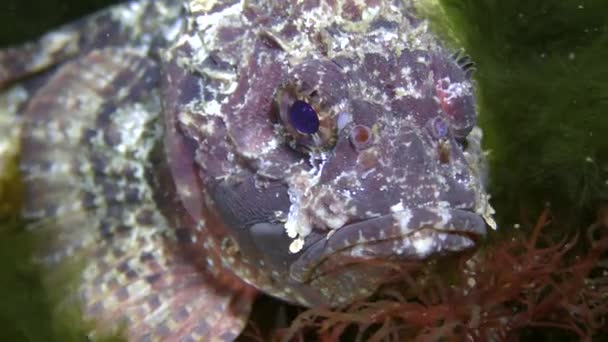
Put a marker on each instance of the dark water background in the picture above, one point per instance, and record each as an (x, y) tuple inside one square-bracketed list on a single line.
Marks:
[(21, 20)]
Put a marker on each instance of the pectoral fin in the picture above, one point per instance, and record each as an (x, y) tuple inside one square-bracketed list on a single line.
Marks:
[(89, 136)]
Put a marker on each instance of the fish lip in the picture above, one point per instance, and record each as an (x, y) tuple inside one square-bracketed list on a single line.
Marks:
[(409, 234)]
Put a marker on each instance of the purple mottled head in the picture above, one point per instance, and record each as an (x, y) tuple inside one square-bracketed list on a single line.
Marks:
[(310, 152)]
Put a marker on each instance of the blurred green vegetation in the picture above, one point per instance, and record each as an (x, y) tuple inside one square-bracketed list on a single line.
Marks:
[(542, 75)]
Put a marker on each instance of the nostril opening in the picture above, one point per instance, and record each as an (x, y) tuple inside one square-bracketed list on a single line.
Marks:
[(361, 137)]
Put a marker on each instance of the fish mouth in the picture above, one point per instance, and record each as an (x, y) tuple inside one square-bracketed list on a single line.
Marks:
[(408, 235)]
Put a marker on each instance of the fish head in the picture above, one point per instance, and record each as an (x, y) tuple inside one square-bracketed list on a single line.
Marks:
[(325, 166)]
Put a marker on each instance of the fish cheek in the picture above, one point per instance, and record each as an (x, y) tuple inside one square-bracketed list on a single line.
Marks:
[(273, 243), (250, 213)]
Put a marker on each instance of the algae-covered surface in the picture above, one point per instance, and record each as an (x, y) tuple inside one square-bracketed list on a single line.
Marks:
[(542, 77)]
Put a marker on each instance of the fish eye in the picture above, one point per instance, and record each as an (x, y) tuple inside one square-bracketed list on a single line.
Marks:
[(303, 117), (305, 122), (440, 131), (456, 101), (440, 128)]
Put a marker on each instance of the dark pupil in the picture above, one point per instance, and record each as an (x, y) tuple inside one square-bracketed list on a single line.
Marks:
[(303, 117), (441, 128)]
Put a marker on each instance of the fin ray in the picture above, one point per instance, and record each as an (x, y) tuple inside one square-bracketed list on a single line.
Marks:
[(90, 198)]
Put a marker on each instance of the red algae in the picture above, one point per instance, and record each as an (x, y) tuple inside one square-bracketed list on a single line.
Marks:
[(527, 282)]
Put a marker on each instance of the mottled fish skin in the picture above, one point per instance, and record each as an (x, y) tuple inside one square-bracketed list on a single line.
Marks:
[(157, 154), (91, 127), (302, 218)]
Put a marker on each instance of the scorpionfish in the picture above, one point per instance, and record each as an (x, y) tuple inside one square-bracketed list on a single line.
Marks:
[(179, 157)]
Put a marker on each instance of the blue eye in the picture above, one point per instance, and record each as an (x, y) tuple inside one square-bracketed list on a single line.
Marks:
[(303, 117), (441, 128)]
